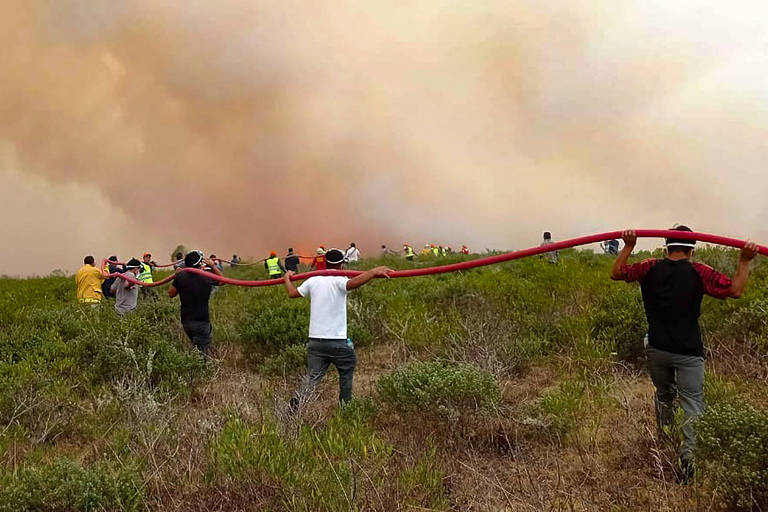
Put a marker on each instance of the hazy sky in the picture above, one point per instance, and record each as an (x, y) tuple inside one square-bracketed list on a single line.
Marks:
[(246, 125)]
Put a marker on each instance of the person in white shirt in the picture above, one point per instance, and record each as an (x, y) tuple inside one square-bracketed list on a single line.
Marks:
[(328, 341), (352, 254)]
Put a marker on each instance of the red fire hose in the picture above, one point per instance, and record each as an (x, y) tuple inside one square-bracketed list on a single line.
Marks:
[(464, 265)]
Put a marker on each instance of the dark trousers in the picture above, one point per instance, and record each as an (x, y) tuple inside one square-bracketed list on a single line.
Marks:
[(199, 334), (320, 355)]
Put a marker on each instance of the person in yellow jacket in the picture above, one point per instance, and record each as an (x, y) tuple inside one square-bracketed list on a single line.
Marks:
[(273, 266), (88, 280)]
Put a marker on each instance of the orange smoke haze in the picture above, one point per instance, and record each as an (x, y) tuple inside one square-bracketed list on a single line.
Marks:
[(244, 126)]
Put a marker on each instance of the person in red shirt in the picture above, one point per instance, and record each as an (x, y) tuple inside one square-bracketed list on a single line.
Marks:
[(672, 290), (318, 263)]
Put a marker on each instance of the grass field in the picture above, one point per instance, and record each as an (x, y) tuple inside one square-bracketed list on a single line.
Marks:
[(514, 387)]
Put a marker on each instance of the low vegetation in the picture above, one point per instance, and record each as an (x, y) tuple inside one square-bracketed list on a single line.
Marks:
[(514, 387)]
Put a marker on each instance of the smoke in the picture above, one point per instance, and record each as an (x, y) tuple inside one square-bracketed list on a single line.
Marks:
[(249, 125)]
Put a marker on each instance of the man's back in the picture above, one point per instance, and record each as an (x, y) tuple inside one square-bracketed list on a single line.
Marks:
[(672, 294), (88, 279), (352, 254), (194, 292), (292, 263), (125, 298), (328, 306)]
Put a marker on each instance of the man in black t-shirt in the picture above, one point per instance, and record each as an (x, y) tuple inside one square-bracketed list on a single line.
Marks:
[(194, 290), (291, 261), (672, 290)]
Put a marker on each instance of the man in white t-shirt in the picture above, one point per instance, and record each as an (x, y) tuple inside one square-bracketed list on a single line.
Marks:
[(328, 342), (352, 253)]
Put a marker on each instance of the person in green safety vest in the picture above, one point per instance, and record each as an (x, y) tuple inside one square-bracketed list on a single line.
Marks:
[(408, 251), (435, 250), (273, 266), (145, 274)]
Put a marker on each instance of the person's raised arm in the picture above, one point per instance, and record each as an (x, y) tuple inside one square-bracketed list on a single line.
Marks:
[(630, 239), (212, 266), (739, 282), (358, 281), (289, 286)]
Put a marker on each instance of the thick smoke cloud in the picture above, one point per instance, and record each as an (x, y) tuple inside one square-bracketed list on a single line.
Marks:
[(250, 125)]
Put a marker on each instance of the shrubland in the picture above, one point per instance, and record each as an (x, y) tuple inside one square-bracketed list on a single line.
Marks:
[(518, 386)]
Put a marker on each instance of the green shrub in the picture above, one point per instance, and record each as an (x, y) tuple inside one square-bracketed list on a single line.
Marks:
[(435, 385), (286, 361), (561, 407), (749, 323), (312, 472), (732, 452), (619, 319), (277, 324), (421, 486), (66, 486)]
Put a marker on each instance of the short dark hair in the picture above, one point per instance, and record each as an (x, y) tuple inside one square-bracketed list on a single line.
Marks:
[(88, 260), (684, 245), (179, 255), (290, 249), (336, 259), (193, 259), (113, 258), (351, 244), (547, 235)]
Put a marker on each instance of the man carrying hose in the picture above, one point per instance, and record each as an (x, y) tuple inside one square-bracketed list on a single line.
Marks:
[(672, 290), (273, 266), (125, 292), (194, 291), (328, 342), (145, 275)]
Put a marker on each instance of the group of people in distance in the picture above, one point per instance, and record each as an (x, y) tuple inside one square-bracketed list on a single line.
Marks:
[(429, 250), (672, 291)]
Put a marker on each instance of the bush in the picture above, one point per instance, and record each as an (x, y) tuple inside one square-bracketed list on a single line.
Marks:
[(286, 361), (439, 385), (620, 321), (561, 407), (276, 325), (422, 485), (732, 452), (66, 486), (312, 472)]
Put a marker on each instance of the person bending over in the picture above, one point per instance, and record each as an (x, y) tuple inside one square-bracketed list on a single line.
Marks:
[(328, 342), (672, 290)]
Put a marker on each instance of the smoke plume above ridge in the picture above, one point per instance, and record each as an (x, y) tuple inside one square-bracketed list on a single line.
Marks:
[(248, 126)]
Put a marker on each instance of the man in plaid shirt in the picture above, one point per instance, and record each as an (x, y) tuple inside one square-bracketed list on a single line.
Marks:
[(672, 290)]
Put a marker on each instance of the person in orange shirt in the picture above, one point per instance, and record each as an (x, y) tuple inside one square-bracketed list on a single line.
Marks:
[(88, 280)]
